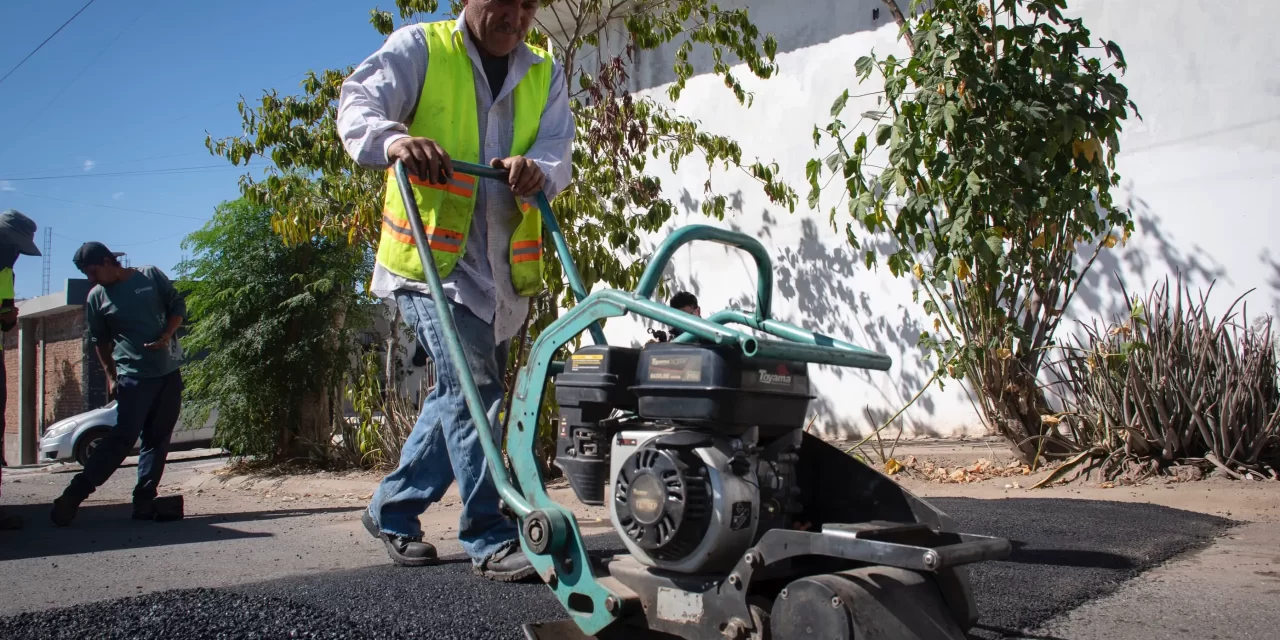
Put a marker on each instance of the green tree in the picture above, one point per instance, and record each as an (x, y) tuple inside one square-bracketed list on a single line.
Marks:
[(273, 322), (994, 158)]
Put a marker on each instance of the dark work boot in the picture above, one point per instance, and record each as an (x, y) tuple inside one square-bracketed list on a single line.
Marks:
[(507, 565), (404, 551), (64, 510)]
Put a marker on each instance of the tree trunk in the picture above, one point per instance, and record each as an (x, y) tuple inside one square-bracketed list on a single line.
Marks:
[(316, 414), (287, 442), (1014, 404), (902, 21)]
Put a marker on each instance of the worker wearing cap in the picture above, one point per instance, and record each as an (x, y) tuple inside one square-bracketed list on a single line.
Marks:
[(132, 315), (17, 237), (468, 89)]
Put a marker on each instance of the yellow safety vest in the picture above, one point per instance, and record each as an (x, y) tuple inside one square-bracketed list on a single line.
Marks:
[(6, 293), (446, 113)]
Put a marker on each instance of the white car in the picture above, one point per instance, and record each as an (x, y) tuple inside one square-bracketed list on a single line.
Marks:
[(76, 437)]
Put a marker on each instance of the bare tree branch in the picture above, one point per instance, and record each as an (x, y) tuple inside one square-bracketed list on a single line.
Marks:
[(902, 22)]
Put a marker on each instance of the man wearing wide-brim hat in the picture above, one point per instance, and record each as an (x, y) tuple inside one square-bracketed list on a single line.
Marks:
[(17, 237)]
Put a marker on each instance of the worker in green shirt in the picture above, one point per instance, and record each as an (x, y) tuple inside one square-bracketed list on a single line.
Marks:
[(132, 315), (17, 237)]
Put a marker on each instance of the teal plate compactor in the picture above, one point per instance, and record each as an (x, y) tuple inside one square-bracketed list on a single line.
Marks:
[(737, 523)]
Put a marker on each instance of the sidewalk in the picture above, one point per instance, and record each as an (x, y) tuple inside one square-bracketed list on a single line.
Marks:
[(362, 484), (357, 486)]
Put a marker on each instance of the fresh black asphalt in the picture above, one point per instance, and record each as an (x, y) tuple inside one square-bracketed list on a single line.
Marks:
[(1066, 552)]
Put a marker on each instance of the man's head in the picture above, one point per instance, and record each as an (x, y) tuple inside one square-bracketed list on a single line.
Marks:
[(687, 303), (99, 263), (499, 26), (19, 232)]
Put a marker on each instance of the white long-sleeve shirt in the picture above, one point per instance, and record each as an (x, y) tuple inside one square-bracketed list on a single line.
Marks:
[(377, 102)]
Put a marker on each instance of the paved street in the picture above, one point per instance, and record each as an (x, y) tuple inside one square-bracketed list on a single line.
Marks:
[(246, 565)]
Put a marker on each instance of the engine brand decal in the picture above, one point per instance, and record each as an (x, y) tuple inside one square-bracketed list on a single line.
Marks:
[(773, 377), (741, 516), (675, 368)]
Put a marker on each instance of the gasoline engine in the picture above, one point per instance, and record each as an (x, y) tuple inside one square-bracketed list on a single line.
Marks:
[(707, 464)]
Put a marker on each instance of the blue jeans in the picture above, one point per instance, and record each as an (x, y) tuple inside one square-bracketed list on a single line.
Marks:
[(444, 444), (146, 407)]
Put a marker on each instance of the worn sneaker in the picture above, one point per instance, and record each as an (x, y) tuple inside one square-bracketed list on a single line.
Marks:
[(404, 551), (64, 511), (507, 565)]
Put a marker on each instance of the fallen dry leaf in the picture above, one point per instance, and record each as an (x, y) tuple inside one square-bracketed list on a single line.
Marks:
[(892, 466)]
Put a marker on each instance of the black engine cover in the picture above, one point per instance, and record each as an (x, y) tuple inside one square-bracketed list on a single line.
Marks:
[(720, 388), (594, 383), (663, 496)]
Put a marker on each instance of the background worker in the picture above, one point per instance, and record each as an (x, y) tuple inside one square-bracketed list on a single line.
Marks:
[(17, 237), (469, 90), (688, 303), (132, 315), (685, 302)]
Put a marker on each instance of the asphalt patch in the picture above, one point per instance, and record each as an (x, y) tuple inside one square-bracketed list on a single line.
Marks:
[(1066, 552)]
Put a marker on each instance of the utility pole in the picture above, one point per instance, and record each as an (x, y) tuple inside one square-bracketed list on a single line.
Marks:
[(48, 260)]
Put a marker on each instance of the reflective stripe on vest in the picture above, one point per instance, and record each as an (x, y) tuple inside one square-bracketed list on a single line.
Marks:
[(448, 94)]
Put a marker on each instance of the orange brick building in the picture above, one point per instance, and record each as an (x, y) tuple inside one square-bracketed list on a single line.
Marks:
[(49, 360)]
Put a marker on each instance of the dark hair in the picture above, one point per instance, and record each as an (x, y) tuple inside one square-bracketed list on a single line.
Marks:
[(684, 299)]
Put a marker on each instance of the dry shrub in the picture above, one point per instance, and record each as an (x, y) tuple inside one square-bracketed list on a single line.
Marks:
[(1169, 385)]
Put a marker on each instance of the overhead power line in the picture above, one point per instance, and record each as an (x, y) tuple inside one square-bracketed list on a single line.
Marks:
[(27, 128), (107, 206), (139, 172), (46, 41), (112, 163)]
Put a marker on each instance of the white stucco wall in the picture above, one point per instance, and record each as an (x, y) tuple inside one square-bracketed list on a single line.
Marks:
[(1200, 172)]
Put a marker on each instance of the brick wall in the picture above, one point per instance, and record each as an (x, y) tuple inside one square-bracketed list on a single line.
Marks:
[(11, 396), (68, 374), (63, 366)]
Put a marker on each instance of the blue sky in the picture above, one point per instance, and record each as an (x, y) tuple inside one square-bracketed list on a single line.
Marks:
[(131, 87)]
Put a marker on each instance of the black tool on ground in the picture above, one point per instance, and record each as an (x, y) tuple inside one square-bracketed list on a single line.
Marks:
[(737, 523), (162, 509)]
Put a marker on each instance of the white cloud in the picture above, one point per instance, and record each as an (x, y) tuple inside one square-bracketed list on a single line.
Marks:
[(88, 164), (5, 185), (117, 195)]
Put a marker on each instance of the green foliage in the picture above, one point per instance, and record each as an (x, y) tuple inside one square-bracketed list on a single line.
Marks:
[(998, 140), (364, 391), (383, 416), (274, 321)]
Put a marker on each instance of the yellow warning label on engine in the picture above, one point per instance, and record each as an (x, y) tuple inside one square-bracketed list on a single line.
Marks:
[(586, 361)]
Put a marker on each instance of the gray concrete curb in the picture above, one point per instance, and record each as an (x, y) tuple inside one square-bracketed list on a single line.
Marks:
[(296, 484)]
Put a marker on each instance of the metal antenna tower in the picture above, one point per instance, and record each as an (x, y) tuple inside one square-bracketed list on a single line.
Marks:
[(48, 260)]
